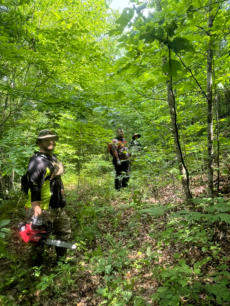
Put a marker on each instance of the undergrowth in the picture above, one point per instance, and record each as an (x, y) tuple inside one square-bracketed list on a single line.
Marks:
[(130, 251)]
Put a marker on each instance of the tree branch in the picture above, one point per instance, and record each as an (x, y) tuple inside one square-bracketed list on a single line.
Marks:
[(193, 76), (214, 17)]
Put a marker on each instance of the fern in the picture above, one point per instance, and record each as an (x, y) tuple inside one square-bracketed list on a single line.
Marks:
[(154, 211), (197, 216)]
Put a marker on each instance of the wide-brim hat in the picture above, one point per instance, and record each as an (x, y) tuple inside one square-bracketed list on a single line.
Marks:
[(46, 134), (136, 135)]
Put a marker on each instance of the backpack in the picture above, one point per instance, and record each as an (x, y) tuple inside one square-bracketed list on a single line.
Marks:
[(110, 148), (57, 200), (25, 183)]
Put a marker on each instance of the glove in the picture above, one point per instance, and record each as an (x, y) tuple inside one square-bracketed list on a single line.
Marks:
[(118, 162)]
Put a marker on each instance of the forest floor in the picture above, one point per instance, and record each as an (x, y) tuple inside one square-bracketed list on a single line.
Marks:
[(134, 247)]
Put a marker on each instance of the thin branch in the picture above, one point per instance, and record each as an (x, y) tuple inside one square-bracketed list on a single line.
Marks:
[(149, 97), (214, 17), (193, 76), (201, 28)]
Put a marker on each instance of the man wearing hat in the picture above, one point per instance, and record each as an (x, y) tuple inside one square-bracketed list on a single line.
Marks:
[(46, 191), (121, 159), (135, 145)]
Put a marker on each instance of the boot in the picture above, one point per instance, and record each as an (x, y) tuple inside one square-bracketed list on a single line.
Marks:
[(125, 181), (61, 252), (117, 184)]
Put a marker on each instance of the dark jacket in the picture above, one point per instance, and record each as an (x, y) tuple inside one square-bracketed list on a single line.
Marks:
[(43, 184)]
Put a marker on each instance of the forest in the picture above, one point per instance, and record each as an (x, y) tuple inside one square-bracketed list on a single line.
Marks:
[(159, 68)]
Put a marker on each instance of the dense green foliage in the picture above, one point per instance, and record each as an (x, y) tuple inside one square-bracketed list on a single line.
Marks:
[(83, 70)]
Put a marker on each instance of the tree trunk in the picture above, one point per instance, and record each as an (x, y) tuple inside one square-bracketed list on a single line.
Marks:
[(210, 104), (172, 107), (218, 141), (12, 180)]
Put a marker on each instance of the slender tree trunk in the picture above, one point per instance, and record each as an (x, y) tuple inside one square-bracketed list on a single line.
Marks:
[(210, 103), (173, 114), (218, 141), (12, 179), (217, 134)]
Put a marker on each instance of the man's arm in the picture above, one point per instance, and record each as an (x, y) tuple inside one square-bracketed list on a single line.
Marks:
[(115, 151), (36, 173)]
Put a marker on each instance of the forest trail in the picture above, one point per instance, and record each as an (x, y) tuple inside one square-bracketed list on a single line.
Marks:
[(143, 252), (124, 250)]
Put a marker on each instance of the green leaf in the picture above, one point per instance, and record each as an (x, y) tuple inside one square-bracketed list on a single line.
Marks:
[(125, 17), (218, 208), (220, 291), (5, 230), (154, 211), (224, 217), (171, 27), (4, 222), (171, 67), (180, 43), (151, 33), (2, 235)]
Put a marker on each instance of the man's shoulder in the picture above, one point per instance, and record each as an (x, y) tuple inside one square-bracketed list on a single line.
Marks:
[(38, 156), (38, 160)]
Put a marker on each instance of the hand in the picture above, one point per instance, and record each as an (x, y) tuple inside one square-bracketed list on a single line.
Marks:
[(37, 209), (118, 162)]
